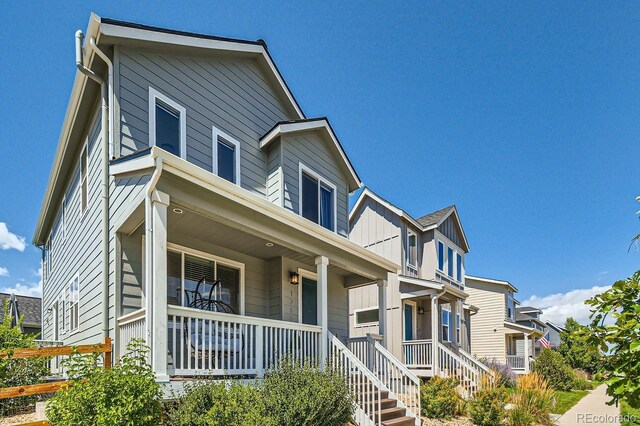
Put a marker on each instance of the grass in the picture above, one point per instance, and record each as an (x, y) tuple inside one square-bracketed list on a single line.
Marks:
[(567, 399), (628, 411)]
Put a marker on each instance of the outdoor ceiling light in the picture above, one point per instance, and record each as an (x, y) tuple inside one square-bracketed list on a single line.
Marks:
[(294, 278), (269, 244), (178, 211)]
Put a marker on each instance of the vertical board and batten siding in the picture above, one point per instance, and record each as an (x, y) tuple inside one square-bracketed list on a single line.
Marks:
[(311, 150), (276, 284), (131, 272), (81, 252), (450, 229), (490, 301), (230, 93)]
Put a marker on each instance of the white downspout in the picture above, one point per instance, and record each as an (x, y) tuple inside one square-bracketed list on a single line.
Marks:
[(105, 180)]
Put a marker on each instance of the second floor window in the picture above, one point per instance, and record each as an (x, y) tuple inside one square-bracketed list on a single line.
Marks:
[(458, 267), (73, 304), (167, 125), (510, 306), (412, 249), (226, 157), (441, 255), (317, 199), (450, 262)]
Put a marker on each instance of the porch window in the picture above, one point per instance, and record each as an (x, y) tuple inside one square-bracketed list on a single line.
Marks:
[(367, 316), (412, 249), (317, 199), (226, 156), (450, 262), (74, 299), (446, 330), (441, 255), (167, 125), (458, 328), (458, 267)]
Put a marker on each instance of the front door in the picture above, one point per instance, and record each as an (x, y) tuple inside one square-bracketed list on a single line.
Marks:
[(309, 298), (409, 322)]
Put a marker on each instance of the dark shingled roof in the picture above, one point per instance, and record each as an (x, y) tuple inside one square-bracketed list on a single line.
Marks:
[(29, 307), (435, 217), (527, 309)]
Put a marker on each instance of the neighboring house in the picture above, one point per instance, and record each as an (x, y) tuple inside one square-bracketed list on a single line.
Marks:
[(554, 331), (529, 317), (496, 331), (426, 297), (193, 204), (27, 307)]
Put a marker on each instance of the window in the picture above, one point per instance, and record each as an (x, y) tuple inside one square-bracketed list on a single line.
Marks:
[(186, 270), (510, 305), (446, 319), (450, 262), (317, 199), (74, 299), (167, 124), (226, 157), (412, 249), (367, 316), (458, 328), (458, 267), (440, 255), (84, 160)]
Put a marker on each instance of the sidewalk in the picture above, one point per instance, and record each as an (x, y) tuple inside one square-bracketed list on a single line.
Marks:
[(592, 409)]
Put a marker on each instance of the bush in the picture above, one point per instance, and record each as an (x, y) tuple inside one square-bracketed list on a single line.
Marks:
[(582, 384), (554, 369), (487, 406), (502, 373), (126, 394), (440, 398), (306, 395), (216, 403), (532, 401), (18, 372)]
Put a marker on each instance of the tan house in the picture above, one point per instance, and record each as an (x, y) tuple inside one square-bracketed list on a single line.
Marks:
[(495, 330)]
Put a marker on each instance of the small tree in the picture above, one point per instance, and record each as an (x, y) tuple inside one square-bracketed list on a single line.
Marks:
[(575, 348), (554, 369)]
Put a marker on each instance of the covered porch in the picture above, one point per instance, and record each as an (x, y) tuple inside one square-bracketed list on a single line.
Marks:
[(520, 346), (220, 282)]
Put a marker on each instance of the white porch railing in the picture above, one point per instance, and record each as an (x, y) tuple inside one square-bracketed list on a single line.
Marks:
[(131, 326), (470, 359), (452, 365), (516, 362), (214, 343), (396, 377), (417, 353)]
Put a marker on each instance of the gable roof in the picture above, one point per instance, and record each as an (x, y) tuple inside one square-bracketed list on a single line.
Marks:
[(312, 124), (491, 281), (527, 309), (424, 223), (85, 93), (29, 307), (556, 327)]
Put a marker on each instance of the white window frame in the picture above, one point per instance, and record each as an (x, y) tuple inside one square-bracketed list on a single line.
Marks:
[(218, 260), (414, 314), (448, 324), (409, 234), (459, 267), (182, 111), (365, 324), (215, 133), (70, 305), (321, 181), (458, 328), (303, 273), (440, 243)]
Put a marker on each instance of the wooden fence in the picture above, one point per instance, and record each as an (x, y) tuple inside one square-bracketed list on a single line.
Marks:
[(49, 352)]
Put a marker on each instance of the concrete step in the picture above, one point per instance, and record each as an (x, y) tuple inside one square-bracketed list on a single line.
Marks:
[(390, 413), (400, 421)]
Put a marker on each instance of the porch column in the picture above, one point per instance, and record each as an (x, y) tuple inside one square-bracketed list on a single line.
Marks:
[(322, 264), (382, 311), (157, 297), (526, 353), (435, 319)]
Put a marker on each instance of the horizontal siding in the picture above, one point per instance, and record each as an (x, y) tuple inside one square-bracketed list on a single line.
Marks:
[(489, 299)]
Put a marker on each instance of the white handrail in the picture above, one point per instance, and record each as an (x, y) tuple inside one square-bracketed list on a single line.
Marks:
[(452, 365), (418, 353), (466, 356)]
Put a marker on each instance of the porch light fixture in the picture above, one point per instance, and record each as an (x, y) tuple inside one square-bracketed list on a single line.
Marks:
[(294, 278), (420, 310), (178, 211), (269, 244)]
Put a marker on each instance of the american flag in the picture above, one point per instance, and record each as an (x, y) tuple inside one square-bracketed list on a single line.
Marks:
[(544, 341)]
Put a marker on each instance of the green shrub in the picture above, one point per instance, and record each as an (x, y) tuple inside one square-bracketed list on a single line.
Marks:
[(487, 406), (554, 369), (306, 395), (219, 403), (440, 398), (582, 384), (532, 401), (126, 394)]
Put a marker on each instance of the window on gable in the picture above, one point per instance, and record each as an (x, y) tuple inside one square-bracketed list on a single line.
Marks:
[(84, 195), (412, 249), (441, 255), (73, 305), (450, 262), (458, 267), (167, 128), (318, 199), (226, 157)]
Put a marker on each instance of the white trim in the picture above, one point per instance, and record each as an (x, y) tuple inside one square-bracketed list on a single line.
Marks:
[(155, 95), (492, 281), (217, 259), (375, 197), (306, 274), (215, 133), (321, 181), (365, 324), (442, 324), (414, 315), (408, 248), (77, 329)]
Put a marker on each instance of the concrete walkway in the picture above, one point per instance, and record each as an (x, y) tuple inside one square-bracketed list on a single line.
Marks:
[(592, 409)]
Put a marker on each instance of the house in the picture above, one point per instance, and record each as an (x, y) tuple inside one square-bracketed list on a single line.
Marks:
[(428, 315), (27, 307), (555, 331), (529, 317), (497, 331), (193, 204)]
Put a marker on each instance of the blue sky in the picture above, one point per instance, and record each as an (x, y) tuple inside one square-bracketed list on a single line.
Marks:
[(526, 118)]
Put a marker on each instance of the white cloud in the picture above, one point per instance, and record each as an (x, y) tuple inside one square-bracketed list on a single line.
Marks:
[(558, 307), (28, 289), (4, 272), (9, 240)]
